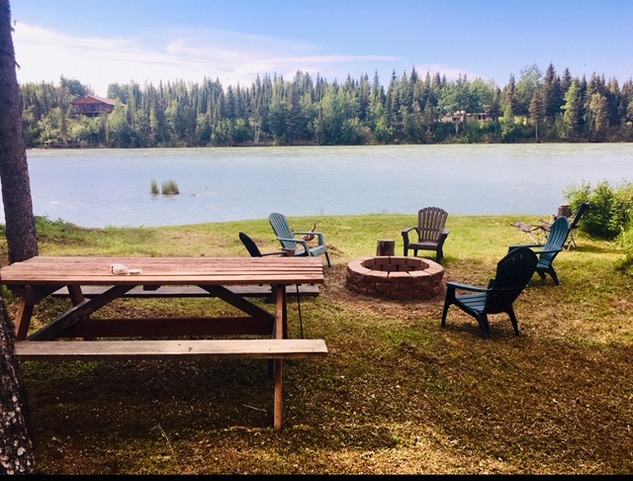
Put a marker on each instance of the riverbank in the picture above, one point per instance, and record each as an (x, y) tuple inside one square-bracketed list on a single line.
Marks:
[(397, 392)]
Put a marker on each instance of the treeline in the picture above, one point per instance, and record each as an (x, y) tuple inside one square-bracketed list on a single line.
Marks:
[(411, 109)]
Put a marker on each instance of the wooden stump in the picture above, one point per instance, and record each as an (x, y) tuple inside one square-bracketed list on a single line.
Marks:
[(386, 247), (564, 210)]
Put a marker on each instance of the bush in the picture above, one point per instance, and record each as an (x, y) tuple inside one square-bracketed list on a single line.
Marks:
[(611, 208), (626, 242)]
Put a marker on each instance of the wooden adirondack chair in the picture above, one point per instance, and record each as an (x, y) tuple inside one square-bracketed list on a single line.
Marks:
[(548, 251), (513, 274), (289, 240), (430, 231)]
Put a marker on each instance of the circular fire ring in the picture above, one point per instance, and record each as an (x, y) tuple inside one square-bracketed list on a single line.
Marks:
[(396, 278)]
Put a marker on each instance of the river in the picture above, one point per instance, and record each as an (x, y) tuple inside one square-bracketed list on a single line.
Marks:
[(111, 187)]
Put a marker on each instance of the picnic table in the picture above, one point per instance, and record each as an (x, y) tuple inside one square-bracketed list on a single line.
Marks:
[(96, 337)]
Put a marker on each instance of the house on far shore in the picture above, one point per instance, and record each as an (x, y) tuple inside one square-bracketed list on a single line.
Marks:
[(92, 106)]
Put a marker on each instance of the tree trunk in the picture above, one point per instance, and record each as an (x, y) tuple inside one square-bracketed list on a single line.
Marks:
[(16, 450), (14, 173)]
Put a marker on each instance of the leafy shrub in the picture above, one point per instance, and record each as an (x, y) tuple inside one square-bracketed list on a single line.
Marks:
[(55, 230), (626, 241), (611, 208)]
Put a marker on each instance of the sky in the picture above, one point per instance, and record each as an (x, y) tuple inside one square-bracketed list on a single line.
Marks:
[(99, 42)]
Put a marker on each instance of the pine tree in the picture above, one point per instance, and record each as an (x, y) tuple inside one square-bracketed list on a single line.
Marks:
[(537, 111), (572, 110)]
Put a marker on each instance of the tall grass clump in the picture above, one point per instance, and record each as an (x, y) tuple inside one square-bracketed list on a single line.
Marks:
[(154, 187), (170, 188)]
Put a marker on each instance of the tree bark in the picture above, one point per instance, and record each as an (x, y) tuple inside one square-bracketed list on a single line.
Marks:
[(16, 450), (14, 172)]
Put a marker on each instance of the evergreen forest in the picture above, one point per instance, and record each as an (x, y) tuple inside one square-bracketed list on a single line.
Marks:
[(410, 109)]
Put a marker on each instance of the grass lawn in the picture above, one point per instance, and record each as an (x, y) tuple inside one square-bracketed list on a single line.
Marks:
[(397, 393)]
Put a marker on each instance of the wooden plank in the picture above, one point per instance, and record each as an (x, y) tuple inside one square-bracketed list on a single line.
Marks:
[(42, 270), (309, 290), (77, 313), (151, 349)]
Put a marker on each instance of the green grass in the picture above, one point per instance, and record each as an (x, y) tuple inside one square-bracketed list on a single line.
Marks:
[(396, 394)]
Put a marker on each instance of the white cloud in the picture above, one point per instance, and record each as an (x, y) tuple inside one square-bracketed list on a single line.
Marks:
[(44, 55), (191, 55)]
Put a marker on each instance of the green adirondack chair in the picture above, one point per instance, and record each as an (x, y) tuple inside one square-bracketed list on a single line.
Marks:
[(547, 252), (289, 240), (513, 274)]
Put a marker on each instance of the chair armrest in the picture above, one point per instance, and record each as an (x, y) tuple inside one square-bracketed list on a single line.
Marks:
[(405, 238), (319, 235), (516, 246), (301, 242), (275, 253), (466, 287), (547, 251), (533, 246), (544, 224)]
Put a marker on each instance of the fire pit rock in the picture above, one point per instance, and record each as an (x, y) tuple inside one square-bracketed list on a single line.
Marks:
[(395, 278)]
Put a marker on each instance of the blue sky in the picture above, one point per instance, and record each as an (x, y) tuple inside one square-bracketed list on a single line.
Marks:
[(100, 42)]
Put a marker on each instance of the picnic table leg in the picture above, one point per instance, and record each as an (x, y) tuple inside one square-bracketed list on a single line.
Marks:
[(75, 294), (29, 297), (23, 318), (278, 393), (280, 333)]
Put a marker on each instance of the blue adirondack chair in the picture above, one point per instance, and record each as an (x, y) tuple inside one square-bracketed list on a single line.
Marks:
[(547, 252), (289, 240)]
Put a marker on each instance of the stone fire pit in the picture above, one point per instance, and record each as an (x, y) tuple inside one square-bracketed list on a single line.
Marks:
[(397, 278)]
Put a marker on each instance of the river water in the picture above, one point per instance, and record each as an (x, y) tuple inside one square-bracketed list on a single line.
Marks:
[(111, 187)]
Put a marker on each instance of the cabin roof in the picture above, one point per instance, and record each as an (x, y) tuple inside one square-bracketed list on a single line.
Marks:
[(91, 99)]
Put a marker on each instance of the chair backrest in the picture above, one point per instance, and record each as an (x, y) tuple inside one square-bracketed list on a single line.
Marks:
[(558, 233), (250, 245), (431, 222), (514, 272), (280, 225), (582, 209)]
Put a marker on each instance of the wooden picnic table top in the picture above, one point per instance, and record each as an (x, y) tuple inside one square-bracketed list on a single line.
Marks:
[(97, 270)]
